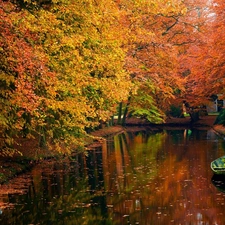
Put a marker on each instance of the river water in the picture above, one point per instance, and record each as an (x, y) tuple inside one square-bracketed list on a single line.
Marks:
[(142, 177)]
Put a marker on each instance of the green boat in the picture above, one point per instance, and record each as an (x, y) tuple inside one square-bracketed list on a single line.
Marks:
[(218, 165)]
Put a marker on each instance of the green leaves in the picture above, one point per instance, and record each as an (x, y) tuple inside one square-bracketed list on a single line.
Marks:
[(144, 105)]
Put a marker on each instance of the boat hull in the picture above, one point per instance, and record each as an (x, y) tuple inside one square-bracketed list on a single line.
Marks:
[(218, 165)]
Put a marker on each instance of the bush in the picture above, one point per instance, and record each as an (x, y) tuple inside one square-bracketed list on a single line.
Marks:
[(220, 119), (175, 111)]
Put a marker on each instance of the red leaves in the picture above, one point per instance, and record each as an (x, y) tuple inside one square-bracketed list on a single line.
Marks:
[(205, 58)]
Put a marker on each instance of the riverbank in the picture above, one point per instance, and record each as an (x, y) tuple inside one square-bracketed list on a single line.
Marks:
[(10, 167)]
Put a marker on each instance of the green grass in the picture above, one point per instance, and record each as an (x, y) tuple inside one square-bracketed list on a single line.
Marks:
[(213, 113)]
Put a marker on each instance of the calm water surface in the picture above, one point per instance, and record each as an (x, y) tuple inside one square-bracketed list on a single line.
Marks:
[(146, 178)]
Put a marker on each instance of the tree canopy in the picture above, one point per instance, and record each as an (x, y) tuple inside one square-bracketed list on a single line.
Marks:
[(66, 65), (202, 65)]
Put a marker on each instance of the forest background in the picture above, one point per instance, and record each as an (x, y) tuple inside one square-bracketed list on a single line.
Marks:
[(68, 66)]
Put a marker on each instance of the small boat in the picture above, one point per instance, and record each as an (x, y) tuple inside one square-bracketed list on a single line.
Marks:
[(218, 165)]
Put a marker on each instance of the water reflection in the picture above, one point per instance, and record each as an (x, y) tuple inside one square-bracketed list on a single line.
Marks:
[(134, 178), (58, 194)]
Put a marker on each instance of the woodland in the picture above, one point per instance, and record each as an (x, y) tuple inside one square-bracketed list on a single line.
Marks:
[(68, 66)]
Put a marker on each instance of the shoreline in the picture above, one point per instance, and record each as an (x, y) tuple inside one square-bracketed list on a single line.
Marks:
[(11, 167)]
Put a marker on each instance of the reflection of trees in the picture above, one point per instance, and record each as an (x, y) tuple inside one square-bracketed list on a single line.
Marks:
[(134, 178), (131, 167), (161, 177), (60, 194)]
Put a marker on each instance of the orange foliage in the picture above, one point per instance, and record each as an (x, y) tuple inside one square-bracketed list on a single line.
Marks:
[(66, 65), (202, 63)]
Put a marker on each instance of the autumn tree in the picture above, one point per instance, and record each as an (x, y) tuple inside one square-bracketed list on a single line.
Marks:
[(62, 70), (20, 65), (201, 62), (152, 55), (66, 65)]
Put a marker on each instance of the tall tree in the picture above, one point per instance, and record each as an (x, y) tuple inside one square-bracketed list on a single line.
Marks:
[(62, 69), (202, 64), (152, 55)]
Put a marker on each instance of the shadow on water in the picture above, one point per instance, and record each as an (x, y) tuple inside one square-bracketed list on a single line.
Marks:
[(146, 178), (57, 193), (218, 180)]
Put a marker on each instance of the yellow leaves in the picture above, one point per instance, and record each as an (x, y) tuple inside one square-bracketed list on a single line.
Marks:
[(6, 78), (154, 7), (184, 11), (69, 69), (73, 41)]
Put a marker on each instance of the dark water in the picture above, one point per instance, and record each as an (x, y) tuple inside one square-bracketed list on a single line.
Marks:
[(135, 178)]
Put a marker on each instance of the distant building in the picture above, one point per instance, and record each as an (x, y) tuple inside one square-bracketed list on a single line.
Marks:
[(216, 105)]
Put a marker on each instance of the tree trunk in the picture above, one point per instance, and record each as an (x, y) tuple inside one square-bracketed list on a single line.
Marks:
[(194, 116), (111, 122), (125, 112), (120, 113), (42, 138)]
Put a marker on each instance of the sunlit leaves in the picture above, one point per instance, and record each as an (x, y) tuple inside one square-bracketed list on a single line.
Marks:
[(52, 57), (67, 64)]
